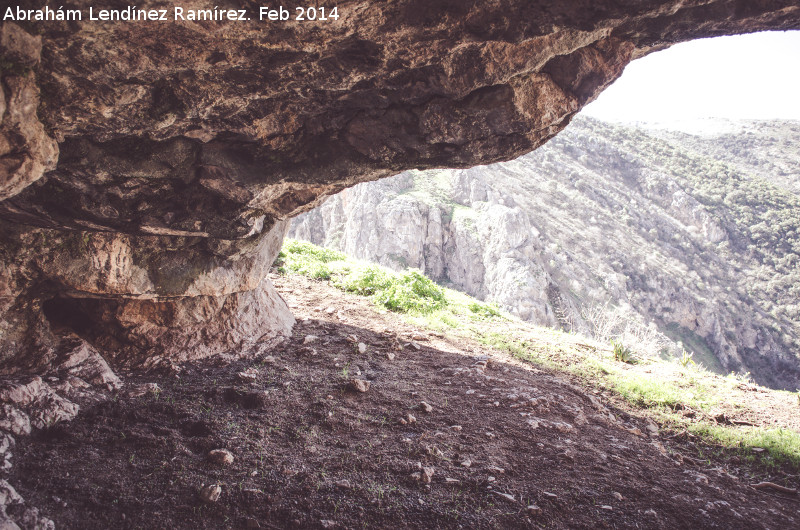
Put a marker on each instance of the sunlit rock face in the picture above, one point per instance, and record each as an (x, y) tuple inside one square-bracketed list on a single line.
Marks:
[(147, 168)]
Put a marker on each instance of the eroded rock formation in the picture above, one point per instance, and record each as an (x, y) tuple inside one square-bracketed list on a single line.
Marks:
[(147, 169)]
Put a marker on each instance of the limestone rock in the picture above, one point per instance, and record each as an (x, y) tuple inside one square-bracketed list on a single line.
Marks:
[(359, 385), (14, 420), (210, 493), (220, 457), (182, 151)]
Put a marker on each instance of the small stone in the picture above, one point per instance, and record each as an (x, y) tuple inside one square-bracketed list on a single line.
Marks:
[(617, 495), (470, 392), (534, 510), (490, 479), (410, 418), (495, 469), (402, 421), (330, 310), (390, 356), (651, 512), (143, 389), (606, 507), (562, 426), (362, 348), (757, 449), (359, 385), (220, 457), (551, 496), (343, 484), (427, 474), (569, 454), (466, 462), (247, 376), (635, 431), (660, 448), (425, 407), (414, 345), (310, 338), (327, 523), (210, 493), (506, 496), (456, 428), (449, 480), (652, 429)]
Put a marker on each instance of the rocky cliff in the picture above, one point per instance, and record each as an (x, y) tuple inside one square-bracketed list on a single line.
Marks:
[(147, 169), (661, 239)]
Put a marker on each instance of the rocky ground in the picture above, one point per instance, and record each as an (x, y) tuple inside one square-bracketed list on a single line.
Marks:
[(361, 420)]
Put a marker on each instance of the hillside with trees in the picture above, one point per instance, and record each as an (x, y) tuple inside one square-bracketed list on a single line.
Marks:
[(664, 241)]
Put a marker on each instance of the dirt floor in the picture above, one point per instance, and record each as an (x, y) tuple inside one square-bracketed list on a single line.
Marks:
[(499, 444)]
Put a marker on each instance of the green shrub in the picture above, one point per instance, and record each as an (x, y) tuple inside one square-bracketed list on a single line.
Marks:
[(366, 281), (295, 249), (412, 291), (484, 310), (621, 352), (307, 259)]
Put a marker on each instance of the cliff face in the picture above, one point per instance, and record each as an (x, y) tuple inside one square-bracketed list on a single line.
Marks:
[(147, 168), (630, 234)]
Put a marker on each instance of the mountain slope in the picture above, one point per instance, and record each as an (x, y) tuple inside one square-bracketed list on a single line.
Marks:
[(628, 234)]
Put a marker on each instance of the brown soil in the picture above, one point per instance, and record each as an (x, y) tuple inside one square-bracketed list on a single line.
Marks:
[(310, 453)]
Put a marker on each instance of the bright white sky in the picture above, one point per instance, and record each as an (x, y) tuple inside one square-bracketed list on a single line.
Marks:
[(754, 76)]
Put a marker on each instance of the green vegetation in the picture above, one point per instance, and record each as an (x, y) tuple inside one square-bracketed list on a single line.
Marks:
[(662, 389), (406, 292), (307, 259), (686, 359), (621, 352), (485, 310)]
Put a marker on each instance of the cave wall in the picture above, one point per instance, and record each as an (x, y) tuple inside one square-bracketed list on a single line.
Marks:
[(148, 169)]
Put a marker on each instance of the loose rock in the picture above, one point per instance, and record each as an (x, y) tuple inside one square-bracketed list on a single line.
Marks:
[(425, 407), (220, 457), (210, 493), (506, 496), (248, 376), (359, 385)]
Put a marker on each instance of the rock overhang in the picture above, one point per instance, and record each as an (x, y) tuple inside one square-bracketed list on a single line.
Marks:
[(149, 168)]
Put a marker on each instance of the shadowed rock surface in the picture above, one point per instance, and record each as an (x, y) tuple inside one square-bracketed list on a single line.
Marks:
[(147, 170)]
